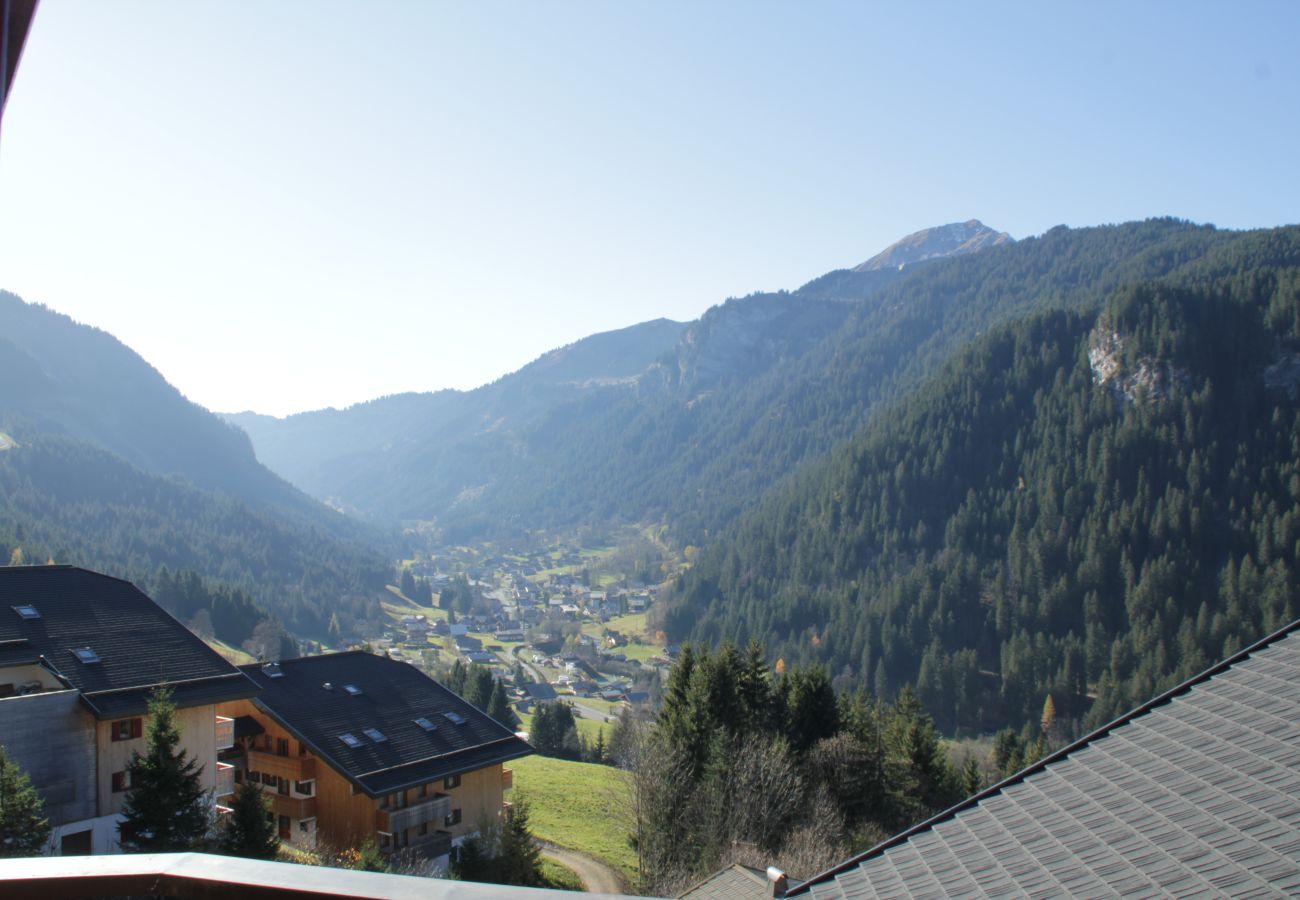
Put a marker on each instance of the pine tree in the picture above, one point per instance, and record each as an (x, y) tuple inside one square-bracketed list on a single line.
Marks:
[(521, 859), (499, 706), (166, 808), (23, 830), (249, 829)]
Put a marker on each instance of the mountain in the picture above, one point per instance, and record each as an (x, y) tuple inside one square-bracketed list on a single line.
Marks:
[(1089, 503), (520, 453), (935, 243), (111, 467)]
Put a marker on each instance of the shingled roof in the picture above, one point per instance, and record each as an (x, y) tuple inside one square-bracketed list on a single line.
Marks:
[(135, 645), (319, 699), (1196, 792)]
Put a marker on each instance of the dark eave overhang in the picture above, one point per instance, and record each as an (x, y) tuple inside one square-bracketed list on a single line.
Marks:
[(14, 26), (134, 701)]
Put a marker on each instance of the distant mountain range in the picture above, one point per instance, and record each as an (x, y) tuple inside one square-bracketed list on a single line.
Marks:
[(698, 421)]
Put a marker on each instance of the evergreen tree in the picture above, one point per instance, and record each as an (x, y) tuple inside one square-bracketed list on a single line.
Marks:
[(24, 831), (249, 830), (498, 706), (520, 859), (166, 808)]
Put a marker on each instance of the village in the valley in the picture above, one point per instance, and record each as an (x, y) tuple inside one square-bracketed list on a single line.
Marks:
[(559, 624)]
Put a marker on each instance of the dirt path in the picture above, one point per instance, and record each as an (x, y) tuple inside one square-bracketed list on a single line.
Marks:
[(597, 878)]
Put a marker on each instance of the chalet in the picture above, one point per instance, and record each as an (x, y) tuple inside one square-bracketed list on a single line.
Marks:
[(538, 692), (80, 655), (357, 748), (481, 657), (466, 643), (511, 635)]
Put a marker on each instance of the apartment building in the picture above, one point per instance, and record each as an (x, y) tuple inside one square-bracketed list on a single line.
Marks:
[(80, 655), (357, 748)]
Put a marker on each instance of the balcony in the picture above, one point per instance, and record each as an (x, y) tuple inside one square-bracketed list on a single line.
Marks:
[(507, 779), (431, 845), (293, 807), (225, 779), (225, 733), (432, 809), (294, 768)]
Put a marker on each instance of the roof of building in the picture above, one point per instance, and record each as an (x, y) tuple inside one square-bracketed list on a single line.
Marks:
[(537, 690), (424, 731), (1195, 792), (735, 882), (134, 645)]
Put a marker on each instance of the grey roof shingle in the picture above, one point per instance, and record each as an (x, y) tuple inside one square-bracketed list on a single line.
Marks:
[(138, 644), (1196, 792), (392, 696)]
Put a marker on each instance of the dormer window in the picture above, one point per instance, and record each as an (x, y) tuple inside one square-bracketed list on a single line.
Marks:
[(27, 611), (86, 655)]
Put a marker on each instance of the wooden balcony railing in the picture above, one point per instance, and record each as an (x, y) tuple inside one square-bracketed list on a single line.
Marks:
[(433, 809), (294, 768), (293, 807)]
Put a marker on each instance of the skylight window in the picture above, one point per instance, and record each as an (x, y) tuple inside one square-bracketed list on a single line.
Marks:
[(350, 739), (86, 655), (454, 718), (272, 670), (27, 611), (352, 689), (375, 735), (426, 724)]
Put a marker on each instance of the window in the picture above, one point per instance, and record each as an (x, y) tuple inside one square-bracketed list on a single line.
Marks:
[(422, 791), (306, 788), (375, 735), (424, 829), (282, 786), (426, 724), (27, 611), (352, 689), (127, 729), (121, 782), (85, 655), (281, 746), (350, 739), (453, 818), (452, 781), (454, 718)]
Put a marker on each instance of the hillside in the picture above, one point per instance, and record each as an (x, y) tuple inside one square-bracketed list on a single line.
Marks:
[(113, 469), (1087, 502)]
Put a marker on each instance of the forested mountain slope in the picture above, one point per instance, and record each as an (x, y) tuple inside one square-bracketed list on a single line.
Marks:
[(1087, 501), (113, 469)]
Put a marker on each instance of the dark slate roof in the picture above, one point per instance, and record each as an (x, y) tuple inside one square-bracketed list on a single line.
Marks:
[(138, 644), (537, 690), (1196, 792), (392, 696)]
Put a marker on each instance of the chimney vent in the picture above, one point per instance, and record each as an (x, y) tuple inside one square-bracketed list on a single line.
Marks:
[(777, 881)]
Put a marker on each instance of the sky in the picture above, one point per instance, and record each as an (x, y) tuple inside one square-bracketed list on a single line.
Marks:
[(288, 205)]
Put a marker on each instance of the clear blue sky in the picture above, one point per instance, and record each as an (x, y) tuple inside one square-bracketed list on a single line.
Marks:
[(291, 205)]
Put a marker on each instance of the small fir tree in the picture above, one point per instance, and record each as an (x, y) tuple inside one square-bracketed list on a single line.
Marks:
[(166, 808), (499, 706), (249, 829), (23, 829)]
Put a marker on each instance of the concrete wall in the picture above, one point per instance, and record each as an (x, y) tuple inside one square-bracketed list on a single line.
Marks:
[(52, 738)]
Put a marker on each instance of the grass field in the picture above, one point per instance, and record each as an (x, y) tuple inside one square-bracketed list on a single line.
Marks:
[(580, 806), (232, 655), (589, 729)]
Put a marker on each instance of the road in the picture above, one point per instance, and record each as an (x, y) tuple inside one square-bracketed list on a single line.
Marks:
[(582, 712), (596, 877)]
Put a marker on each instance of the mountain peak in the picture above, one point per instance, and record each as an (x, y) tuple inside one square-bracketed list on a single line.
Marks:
[(932, 243)]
